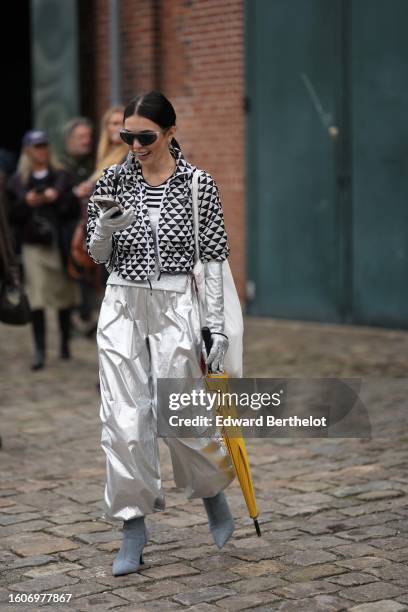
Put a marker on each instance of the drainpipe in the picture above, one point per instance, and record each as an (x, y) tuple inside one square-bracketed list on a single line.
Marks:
[(115, 65)]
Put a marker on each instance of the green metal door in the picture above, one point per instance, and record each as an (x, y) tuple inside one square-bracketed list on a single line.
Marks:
[(293, 77), (327, 142), (380, 161)]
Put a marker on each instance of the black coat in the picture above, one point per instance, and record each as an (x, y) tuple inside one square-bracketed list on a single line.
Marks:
[(60, 217)]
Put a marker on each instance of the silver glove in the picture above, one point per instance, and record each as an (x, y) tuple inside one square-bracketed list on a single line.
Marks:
[(214, 296), (219, 347), (100, 244)]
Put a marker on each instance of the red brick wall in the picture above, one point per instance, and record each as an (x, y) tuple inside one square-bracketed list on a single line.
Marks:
[(192, 50), (203, 74), (138, 40), (100, 45)]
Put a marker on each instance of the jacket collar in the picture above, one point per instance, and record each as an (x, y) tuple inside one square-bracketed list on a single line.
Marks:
[(132, 167)]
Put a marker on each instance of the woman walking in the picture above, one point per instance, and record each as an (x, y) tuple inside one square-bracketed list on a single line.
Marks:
[(149, 324), (44, 212)]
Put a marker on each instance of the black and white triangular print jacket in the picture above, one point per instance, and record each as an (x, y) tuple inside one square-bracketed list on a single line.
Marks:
[(133, 248)]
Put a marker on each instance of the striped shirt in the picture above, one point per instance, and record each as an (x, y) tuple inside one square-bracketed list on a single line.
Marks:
[(154, 196)]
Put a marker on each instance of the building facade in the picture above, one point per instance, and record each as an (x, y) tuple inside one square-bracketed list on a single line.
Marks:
[(192, 51), (298, 110)]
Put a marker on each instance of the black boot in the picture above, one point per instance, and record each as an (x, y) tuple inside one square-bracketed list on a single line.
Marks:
[(38, 327), (64, 318)]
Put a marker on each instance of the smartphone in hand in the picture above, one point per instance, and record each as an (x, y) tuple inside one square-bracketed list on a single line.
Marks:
[(105, 203)]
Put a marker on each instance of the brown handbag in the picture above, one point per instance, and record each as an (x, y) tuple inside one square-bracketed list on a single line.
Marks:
[(80, 264), (79, 251)]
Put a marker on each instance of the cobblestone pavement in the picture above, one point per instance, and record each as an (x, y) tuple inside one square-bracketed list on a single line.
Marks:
[(334, 513)]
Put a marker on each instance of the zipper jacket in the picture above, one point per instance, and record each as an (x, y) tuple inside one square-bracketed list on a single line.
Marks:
[(133, 255)]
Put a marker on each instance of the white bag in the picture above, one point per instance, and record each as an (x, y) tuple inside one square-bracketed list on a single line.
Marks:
[(234, 325)]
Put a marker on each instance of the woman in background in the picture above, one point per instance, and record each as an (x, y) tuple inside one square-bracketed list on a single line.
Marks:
[(111, 148), (43, 212)]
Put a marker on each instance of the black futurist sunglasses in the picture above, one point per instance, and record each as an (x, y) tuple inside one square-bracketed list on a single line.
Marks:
[(144, 138)]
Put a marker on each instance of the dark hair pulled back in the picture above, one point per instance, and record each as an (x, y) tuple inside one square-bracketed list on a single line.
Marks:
[(155, 106)]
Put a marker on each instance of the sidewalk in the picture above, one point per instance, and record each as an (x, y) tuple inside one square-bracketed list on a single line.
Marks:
[(334, 513)]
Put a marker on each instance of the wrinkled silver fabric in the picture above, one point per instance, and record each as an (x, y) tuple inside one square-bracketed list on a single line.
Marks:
[(214, 295), (144, 335)]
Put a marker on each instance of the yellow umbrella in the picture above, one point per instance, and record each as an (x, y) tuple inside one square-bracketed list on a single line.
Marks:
[(233, 440)]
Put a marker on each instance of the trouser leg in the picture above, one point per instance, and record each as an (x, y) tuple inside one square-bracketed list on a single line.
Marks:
[(133, 483), (143, 336), (64, 319), (201, 465), (39, 337), (85, 306)]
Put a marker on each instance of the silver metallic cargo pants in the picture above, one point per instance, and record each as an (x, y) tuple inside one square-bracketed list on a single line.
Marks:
[(144, 335)]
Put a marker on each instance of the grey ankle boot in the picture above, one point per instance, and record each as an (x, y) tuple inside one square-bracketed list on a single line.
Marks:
[(130, 555), (219, 518)]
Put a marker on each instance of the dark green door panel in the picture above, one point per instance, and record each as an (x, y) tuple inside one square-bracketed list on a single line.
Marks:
[(293, 77), (328, 218), (380, 161)]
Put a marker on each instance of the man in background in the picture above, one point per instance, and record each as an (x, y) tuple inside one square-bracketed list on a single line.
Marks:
[(78, 157), (78, 160)]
